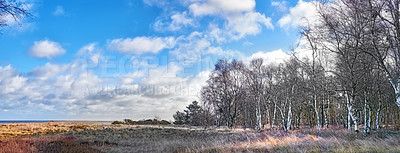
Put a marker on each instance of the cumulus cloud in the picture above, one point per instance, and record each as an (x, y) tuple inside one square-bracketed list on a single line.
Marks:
[(178, 21), (46, 49), (299, 15), (141, 45), (59, 11), (247, 24), (69, 90), (280, 5), (92, 53), (240, 17), (234, 19), (10, 80), (46, 71), (272, 57), (223, 7)]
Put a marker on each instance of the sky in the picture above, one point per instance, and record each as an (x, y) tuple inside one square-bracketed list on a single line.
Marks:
[(137, 59)]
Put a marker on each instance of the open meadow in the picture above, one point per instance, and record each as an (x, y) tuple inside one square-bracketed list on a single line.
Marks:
[(105, 137)]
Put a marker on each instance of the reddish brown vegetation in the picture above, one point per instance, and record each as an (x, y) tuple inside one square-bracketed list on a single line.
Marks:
[(46, 144)]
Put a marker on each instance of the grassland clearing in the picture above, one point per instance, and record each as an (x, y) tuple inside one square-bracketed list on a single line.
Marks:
[(105, 137)]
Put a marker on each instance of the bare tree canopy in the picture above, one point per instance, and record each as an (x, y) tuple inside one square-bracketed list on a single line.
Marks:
[(12, 9), (355, 50)]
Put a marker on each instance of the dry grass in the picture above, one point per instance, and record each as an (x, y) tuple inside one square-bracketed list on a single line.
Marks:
[(95, 136), (12, 130), (138, 139), (45, 144), (329, 140), (142, 139)]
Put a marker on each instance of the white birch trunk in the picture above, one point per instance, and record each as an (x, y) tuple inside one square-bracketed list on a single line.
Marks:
[(258, 113), (289, 117), (354, 121), (398, 98), (365, 117), (327, 114), (396, 86), (377, 118), (273, 117), (317, 113), (348, 119), (282, 117), (350, 113), (267, 118), (369, 120)]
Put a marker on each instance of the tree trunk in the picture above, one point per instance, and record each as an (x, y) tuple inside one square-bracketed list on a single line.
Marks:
[(289, 117), (273, 117), (327, 114), (377, 118), (298, 121), (348, 120), (258, 114), (350, 112), (369, 121), (395, 83), (398, 98), (365, 117), (282, 118), (322, 111), (317, 113), (353, 118), (342, 120), (267, 117)]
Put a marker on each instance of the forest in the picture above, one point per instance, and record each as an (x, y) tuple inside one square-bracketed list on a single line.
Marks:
[(349, 79)]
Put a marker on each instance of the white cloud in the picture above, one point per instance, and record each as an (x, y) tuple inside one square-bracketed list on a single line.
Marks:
[(92, 53), (178, 21), (224, 7), (281, 5), (59, 11), (247, 43), (14, 20), (16, 25), (88, 49), (247, 24), (10, 81), (46, 49), (272, 57), (48, 70), (129, 78), (71, 91), (302, 13), (141, 45), (158, 3), (240, 17)]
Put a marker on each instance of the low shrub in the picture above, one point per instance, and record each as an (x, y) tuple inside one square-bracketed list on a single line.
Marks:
[(118, 122), (130, 122), (142, 122), (163, 122)]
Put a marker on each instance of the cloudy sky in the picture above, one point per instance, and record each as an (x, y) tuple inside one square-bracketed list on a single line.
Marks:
[(109, 60)]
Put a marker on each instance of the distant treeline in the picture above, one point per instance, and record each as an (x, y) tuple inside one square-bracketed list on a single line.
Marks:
[(142, 122)]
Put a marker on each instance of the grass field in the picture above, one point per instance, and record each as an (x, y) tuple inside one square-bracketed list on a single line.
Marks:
[(104, 137)]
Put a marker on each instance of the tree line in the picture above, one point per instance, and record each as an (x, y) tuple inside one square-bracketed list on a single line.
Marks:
[(350, 78)]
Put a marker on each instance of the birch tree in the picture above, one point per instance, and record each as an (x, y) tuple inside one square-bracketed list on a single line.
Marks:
[(225, 89), (255, 80), (14, 9)]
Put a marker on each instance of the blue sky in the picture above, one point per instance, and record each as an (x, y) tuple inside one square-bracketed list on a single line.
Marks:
[(107, 60)]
